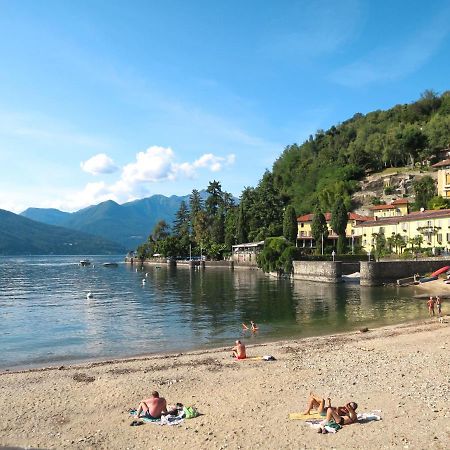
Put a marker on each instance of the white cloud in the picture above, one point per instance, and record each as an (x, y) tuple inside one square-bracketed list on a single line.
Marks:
[(99, 164), (154, 165), (212, 162)]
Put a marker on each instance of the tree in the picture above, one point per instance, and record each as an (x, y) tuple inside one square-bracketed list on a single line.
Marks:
[(339, 219), (160, 231), (215, 199), (380, 244), (277, 255), (242, 224), (290, 225), (182, 229), (195, 204), (425, 190), (319, 229), (439, 202)]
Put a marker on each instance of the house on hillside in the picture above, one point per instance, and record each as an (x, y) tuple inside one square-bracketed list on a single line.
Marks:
[(306, 240), (396, 208), (443, 168)]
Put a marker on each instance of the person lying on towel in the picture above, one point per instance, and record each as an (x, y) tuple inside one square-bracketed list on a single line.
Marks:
[(318, 403)]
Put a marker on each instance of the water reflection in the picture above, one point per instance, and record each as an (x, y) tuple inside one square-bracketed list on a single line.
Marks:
[(176, 309)]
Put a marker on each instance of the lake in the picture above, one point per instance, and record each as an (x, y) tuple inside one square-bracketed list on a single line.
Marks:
[(46, 318)]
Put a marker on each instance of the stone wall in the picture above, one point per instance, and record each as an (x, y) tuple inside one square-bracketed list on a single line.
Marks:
[(377, 273), (323, 271)]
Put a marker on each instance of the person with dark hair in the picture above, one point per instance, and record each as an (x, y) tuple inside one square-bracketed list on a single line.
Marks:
[(318, 403), (153, 408), (345, 416), (239, 350)]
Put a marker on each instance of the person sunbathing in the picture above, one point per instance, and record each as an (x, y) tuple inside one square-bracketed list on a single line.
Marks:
[(346, 416), (153, 407), (239, 350), (318, 403)]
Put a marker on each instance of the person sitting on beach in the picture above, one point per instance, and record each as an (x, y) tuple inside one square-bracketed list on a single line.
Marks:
[(346, 416), (318, 403), (254, 326), (430, 304), (239, 350), (153, 407)]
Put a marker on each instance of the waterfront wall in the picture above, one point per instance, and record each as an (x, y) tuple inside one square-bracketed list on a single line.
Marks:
[(381, 272), (323, 271)]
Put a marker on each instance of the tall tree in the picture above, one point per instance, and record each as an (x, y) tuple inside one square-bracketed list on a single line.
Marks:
[(195, 204), (339, 219), (182, 229), (215, 198), (319, 229), (290, 225), (425, 190)]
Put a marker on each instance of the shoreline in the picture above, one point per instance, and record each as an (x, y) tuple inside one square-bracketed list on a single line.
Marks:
[(100, 361), (244, 404)]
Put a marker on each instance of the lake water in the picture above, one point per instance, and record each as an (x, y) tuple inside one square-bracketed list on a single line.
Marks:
[(46, 318)]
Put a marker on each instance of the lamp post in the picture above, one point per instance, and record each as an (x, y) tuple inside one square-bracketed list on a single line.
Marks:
[(353, 244), (368, 254), (333, 254), (322, 244)]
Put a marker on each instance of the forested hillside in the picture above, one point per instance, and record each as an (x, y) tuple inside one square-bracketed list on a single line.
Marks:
[(328, 164), (321, 174)]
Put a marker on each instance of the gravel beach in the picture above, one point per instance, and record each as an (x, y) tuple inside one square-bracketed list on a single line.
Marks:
[(403, 371)]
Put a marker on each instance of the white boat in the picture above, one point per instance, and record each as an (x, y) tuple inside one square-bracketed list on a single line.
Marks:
[(84, 263)]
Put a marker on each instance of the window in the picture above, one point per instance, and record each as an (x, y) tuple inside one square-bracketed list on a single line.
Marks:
[(302, 225), (439, 237)]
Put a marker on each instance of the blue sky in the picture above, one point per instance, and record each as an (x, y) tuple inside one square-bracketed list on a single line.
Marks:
[(126, 99)]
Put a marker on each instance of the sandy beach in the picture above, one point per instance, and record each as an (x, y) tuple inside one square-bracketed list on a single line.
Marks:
[(401, 370)]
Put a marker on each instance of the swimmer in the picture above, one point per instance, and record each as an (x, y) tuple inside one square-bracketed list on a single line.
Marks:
[(254, 326)]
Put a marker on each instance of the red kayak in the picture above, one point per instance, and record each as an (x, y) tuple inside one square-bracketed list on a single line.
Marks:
[(439, 271)]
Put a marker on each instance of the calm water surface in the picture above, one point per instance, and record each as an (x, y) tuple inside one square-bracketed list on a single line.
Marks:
[(47, 319)]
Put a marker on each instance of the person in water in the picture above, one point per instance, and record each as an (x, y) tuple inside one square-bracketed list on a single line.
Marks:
[(153, 408), (239, 350), (253, 326)]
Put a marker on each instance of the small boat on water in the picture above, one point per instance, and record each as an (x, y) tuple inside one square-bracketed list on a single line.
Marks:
[(84, 263), (110, 264)]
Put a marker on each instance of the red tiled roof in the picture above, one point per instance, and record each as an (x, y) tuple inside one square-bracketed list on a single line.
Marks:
[(444, 163), (351, 216), (400, 201), (392, 205), (417, 215)]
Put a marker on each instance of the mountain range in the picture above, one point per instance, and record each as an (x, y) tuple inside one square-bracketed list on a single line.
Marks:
[(128, 224), (22, 236)]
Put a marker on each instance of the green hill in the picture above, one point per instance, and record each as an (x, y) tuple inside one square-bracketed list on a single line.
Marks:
[(128, 224), (22, 236), (329, 165)]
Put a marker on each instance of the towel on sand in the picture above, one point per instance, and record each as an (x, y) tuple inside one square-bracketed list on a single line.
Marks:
[(164, 420), (301, 416), (363, 417)]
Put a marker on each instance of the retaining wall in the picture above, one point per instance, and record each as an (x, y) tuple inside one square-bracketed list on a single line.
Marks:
[(323, 271), (378, 273)]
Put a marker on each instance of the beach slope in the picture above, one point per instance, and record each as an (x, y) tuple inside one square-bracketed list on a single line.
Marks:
[(402, 371)]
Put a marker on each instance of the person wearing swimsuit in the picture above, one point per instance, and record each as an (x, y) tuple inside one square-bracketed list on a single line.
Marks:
[(343, 416)]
